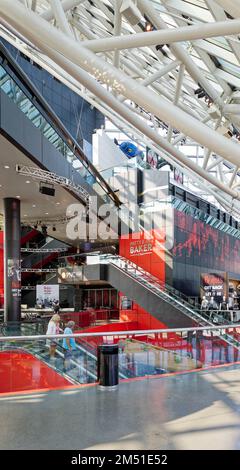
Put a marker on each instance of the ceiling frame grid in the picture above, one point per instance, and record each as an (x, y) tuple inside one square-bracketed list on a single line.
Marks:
[(188, 75)]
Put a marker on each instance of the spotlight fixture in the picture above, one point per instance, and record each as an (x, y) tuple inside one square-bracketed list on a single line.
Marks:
[(54, 229), (148, 26), (47, 188)]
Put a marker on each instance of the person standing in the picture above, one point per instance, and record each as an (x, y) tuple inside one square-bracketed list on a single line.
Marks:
[(56, 306), (69, 344), (53, 329)]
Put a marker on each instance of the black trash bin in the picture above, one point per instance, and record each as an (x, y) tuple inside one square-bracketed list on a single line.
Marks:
[(108, 366)]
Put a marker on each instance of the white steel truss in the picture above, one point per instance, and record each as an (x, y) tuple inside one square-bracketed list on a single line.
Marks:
[(43, 250), (175, 67), (52, 178), (38, 270)]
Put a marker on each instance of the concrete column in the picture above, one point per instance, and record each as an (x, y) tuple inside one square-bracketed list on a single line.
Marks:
[(12, 260)]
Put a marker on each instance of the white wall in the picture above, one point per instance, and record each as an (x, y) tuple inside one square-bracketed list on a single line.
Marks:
[(106, 153)]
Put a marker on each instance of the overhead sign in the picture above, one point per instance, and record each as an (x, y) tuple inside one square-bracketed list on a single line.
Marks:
[(213, 285), (70, 275)]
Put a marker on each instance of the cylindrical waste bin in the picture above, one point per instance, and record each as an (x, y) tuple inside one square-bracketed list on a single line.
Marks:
[(108, 366)]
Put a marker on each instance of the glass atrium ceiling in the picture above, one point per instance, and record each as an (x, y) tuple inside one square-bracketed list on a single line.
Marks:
[(199, 78)]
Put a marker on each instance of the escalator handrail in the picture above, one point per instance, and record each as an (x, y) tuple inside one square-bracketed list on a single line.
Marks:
[(192, 313), (19, 76)]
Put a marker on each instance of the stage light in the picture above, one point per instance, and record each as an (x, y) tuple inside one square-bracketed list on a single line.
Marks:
[(148, 26)]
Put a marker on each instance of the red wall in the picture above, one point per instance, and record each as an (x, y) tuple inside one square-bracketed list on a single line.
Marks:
[(148, 252), (144, 320), (1, 271)]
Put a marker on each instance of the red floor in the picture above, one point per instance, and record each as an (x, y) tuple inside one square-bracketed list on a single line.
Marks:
[(20, 371)]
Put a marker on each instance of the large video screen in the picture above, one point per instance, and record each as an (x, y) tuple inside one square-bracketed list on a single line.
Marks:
[(200, 248)]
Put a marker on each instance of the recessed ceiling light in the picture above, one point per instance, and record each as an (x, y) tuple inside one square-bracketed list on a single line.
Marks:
[(57, 203), (46, 213), (25, 215), (27, 181), (7, 167), (18, 197), (34, 205)]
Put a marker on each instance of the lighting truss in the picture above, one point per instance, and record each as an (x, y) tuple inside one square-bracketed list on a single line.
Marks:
[(62, 287), (43, 250), (38, 270), (189, 81), (52, 178)]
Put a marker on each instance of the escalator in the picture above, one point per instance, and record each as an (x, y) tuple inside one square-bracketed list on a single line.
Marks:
[(48, 127), (163, 302), (160, 300)]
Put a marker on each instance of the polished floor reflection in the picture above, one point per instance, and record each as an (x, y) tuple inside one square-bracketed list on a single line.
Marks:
[(187, 411)]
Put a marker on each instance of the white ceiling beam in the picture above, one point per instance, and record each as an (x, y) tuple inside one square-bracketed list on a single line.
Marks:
[(177, 96), (138, 123), (160, 73), (60, 17), (129, 63), (185, 33), (220, 15), (231, 6), (215, 163), (33, 5), (180, 53), (232, 109), (231, 182), (117, 30), (82, 77), (157, 75), (45, 35), (66, 5)]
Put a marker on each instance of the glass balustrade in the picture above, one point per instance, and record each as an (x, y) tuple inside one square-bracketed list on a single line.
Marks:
[(38, 362), (33, 113), (167, 293)]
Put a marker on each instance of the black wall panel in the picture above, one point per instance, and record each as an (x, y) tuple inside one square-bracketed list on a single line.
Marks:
[(200, 248)]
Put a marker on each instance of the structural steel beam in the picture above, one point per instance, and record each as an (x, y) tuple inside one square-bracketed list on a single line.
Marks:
[(138, 123), (160, 73), (117, 30), (45, 35), (113, 103), (231, 6), (180, 53), (66, 5), (60, 17), (185, 33)]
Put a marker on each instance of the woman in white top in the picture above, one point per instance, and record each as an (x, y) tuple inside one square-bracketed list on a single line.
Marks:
[(53, 329)]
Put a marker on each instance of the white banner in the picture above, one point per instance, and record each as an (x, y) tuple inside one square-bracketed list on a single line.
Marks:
[(46, 294)]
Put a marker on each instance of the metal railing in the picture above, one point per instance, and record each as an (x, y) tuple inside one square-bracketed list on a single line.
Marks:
[(216, 329), (142, 353)]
